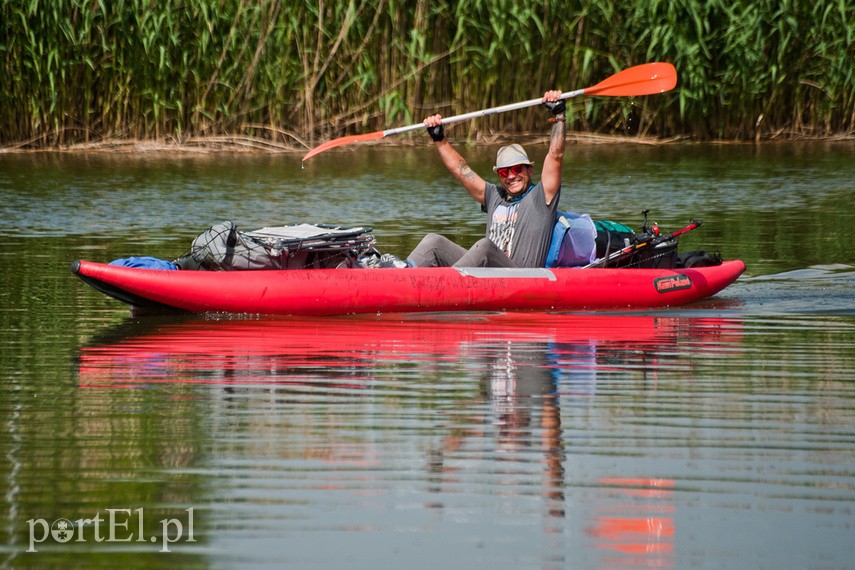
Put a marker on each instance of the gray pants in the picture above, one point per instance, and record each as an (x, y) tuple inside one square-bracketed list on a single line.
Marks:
[(438, 251)]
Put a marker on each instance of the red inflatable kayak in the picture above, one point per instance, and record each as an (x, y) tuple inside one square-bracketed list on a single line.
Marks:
[(386, 290)]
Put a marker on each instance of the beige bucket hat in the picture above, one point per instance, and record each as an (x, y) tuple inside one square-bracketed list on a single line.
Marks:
[(511, 155)]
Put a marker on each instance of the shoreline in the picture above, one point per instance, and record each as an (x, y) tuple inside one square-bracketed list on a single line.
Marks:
[(238, 144)]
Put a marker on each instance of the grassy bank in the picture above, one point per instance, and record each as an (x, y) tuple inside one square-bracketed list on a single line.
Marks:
[(295, 73)]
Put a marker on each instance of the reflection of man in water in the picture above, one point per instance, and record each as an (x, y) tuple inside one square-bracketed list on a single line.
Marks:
[(518, 385), (521, 381)]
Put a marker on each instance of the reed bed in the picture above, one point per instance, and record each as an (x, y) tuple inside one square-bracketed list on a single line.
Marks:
[(297, 72)]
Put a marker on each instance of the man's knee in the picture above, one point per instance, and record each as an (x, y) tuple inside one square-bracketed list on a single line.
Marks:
[(433, 240), (485, 253), (435, 250), (482, 244)]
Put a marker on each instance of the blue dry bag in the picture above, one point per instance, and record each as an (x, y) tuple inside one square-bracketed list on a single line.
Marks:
[(573, 241), (144, 263)]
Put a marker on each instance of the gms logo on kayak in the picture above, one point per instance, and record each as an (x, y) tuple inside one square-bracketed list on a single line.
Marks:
[(672, 283)]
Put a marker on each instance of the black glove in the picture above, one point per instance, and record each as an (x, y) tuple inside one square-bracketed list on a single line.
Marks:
[(437, 133), (557, 107)]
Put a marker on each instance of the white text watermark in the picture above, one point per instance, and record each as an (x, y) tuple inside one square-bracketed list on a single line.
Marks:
[(113, 525)]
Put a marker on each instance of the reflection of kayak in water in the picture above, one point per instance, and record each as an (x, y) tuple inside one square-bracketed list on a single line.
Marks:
[(280, 350), (388, 290)]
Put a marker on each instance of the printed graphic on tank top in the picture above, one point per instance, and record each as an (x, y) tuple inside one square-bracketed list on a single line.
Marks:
[(503, 226)]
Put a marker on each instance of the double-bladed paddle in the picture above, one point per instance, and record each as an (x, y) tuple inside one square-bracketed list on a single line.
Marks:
[(645, 79)]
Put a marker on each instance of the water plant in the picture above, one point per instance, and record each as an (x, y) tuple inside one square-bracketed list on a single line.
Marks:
[(302, 71)]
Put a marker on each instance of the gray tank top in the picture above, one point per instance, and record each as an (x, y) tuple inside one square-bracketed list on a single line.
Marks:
[(521, 228)]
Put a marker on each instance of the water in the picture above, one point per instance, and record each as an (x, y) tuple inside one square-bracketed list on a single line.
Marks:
[(721, 434)]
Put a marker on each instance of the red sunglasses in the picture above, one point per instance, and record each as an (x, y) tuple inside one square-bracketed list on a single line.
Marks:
[(516, 169)]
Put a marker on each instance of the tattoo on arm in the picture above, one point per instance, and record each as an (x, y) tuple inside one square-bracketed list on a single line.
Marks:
[(464, 171), (556, 139)]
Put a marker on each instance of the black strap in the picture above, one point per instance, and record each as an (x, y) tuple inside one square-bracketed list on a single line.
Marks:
[(231, 241)]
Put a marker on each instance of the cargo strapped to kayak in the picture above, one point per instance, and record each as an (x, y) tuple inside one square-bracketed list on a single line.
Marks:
[(223, 247), (579, 241)]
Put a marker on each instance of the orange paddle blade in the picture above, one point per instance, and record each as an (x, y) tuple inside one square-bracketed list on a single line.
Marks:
[(644, 79), (343, 141)]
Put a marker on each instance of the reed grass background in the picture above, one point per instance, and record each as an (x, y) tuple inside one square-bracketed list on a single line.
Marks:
[(296, 72)]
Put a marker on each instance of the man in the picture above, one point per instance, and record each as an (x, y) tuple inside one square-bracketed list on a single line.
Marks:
[(521, 214)]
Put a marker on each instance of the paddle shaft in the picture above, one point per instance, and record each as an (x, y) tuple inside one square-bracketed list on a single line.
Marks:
[(482, 113)]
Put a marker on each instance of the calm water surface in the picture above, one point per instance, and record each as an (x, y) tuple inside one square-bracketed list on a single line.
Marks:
[(721, 434)]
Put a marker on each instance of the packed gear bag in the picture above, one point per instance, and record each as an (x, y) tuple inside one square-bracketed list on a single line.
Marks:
[(698, 259), (578, 241), (145, 262), (573, 241), (612, 236), (223, 247), (662, 255)]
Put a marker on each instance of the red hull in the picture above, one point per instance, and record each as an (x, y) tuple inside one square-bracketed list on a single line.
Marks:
[(348, 291)]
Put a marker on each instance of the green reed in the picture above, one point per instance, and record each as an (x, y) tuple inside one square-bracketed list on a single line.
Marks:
[(299, 71)]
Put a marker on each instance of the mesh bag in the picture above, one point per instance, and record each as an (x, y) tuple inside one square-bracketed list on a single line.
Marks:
[(613, 236), (660, 256)]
